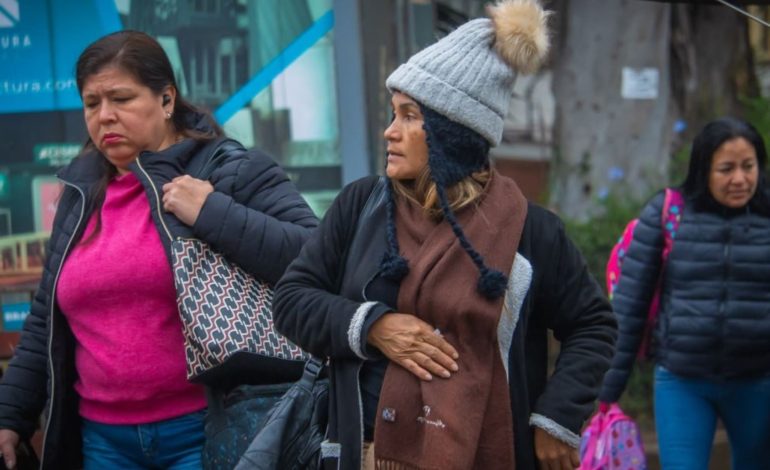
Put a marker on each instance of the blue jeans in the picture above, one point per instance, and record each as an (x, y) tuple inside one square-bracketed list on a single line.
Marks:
[(686, 411), (171, 444)]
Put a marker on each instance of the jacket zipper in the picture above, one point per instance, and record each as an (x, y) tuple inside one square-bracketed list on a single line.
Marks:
[(723, 300), (52, 300), (360, 412), (157, 200)]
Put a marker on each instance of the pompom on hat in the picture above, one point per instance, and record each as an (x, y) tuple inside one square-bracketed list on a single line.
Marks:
[(464, 84), (468, 75)]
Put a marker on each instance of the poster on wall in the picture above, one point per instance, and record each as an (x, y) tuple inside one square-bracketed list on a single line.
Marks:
[(14, 315), (39, 43), (264, 69), (45, 196)]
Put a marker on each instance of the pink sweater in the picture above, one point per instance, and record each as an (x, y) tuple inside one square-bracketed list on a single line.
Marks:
[(117, 293)]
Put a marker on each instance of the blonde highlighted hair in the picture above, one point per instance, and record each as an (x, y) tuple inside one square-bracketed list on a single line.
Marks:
[(423, 192)]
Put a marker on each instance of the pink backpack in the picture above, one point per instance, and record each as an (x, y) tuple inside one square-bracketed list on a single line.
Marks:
[(670, 217), (611, 442)]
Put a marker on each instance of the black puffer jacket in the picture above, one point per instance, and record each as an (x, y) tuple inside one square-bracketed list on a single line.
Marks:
[(328, 299), (255, 216), (715, 307)]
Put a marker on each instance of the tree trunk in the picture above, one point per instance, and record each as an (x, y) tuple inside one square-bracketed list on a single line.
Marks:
[(712, 64), (607, 144)]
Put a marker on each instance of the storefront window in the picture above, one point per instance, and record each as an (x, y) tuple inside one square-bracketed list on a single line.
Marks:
[(265, 69)]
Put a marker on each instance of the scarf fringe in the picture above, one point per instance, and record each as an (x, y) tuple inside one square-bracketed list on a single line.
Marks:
[(382, 464)]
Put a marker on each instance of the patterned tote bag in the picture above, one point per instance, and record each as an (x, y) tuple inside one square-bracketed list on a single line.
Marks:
[(227, 316)]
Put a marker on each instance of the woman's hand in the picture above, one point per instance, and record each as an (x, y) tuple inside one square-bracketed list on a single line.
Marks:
[(414, 345), (554, 454), (8, 442), (184, 197)]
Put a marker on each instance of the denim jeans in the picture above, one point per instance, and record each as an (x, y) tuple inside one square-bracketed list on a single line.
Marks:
[(686, 411), (171, 444)]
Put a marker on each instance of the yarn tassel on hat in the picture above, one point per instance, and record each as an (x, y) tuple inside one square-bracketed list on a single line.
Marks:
[(393, 266), (492, 283)]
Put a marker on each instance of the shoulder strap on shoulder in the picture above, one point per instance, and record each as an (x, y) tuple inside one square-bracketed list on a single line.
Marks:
[(673, 203)]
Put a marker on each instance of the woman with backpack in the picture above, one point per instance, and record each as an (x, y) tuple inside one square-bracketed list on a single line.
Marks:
[(432, 290), (712, 337)]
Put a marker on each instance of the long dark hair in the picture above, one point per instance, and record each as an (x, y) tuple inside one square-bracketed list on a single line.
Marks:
[(140, 55), (711, 137)]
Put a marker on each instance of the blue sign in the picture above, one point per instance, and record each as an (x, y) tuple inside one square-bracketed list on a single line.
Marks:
[(40, 42), (14, 315)]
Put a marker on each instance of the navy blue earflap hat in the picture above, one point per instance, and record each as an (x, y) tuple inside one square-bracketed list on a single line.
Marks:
[(464, 84)]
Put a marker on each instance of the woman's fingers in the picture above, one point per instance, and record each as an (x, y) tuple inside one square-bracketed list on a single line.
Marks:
[(438, 361), (554, 454), (412, 343), (433, 366), (574, 458), (435, 339), (184, 196), (8, 442), (415, 369)]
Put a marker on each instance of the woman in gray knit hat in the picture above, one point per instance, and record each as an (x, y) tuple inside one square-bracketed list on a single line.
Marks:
[(431, 290)]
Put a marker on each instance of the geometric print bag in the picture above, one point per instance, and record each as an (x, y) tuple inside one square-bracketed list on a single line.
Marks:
[(226, 313), (227, 321)]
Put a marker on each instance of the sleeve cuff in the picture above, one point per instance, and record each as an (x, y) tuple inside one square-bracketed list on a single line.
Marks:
[(357, 326), (555, 429)]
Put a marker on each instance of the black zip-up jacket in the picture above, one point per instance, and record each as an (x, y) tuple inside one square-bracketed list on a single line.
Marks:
[(714, 320), (255, 217), (326, 303)]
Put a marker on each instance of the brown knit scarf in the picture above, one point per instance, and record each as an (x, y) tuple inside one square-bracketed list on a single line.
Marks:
[(463, 422)]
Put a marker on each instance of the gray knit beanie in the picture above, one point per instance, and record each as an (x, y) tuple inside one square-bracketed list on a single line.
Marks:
[(463, 84), (468, 76)]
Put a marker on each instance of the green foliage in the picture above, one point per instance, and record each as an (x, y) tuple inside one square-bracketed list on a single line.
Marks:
[(678, 164), (596, 237), (758, 114)]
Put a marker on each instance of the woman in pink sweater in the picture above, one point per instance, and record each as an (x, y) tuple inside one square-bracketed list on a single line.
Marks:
[(103, 345)]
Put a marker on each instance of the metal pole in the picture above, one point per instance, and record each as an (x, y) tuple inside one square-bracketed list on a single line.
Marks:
[(351, 98), (744, 12)]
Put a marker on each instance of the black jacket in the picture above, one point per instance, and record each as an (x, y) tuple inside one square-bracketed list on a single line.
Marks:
[(322, 304), (714, 321), (255, 216)]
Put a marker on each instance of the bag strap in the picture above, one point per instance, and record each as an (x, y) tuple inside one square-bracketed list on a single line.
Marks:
[(313, 368), (215, 400), (607, 415), (673, 202), (596, 426)]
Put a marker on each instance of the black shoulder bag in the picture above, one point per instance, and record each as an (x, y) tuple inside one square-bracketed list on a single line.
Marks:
[(294, 428)]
